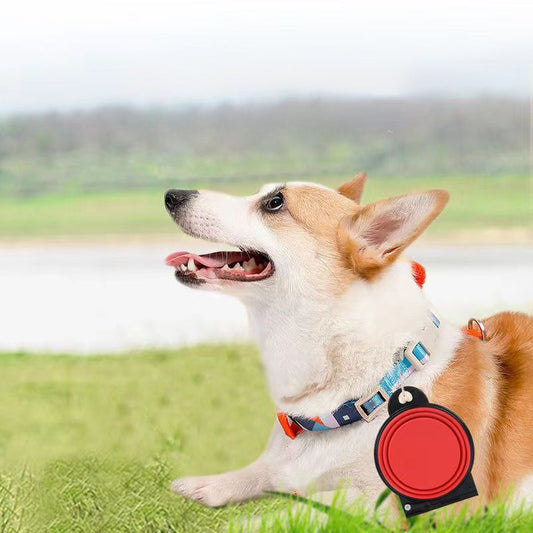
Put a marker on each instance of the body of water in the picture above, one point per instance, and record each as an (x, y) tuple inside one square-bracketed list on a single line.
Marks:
[(109, 298)]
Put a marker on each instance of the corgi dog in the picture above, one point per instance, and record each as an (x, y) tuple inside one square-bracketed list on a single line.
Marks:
[(332, 302)]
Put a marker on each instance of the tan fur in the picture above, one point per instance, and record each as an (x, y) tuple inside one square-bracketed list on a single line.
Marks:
[(338, 223), (354, 189), (318, 210), (511, 336), (489, 385), (312, 215), (367, 260)]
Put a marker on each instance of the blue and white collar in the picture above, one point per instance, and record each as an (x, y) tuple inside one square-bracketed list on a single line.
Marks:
[(414, 356)]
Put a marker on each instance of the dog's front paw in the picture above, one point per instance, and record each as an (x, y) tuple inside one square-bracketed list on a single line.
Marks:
[(213, 491)]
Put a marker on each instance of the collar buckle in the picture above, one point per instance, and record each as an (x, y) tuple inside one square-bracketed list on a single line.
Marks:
[(417, 354), (368, 416)]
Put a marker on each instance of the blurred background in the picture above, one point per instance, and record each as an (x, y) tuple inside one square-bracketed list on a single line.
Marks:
[(105, 105)]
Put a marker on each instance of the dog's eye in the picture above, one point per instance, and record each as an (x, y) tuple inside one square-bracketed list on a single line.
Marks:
[(275, 203)]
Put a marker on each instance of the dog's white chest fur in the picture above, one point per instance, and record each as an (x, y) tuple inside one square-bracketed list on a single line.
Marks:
[(319, 353), (316, 361)]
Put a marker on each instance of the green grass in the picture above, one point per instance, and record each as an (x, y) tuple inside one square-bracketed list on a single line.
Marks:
[(91, 445), (93, 442), (340, 518), (477, 203)]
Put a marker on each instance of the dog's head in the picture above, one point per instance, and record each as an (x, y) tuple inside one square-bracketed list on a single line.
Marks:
[(296, 236)]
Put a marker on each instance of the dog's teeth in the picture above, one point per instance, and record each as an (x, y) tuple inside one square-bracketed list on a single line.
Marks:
[(191, 266), (226, 267), (238, 267), (183, 268), (249, 265)]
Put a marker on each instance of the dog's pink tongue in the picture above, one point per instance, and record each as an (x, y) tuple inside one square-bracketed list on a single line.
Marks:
[(173, 259), (181, 258)]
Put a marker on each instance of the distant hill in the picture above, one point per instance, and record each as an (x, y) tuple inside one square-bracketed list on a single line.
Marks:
[(115, 148)]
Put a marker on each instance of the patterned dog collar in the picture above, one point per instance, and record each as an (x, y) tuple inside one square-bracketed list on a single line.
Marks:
[(409, 358)]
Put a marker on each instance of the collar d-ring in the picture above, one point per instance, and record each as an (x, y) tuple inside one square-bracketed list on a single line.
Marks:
[(476, 324)]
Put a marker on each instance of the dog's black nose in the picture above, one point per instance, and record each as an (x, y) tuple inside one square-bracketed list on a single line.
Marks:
[(176, 198)]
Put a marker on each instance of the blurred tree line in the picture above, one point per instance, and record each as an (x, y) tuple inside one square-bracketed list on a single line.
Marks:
[(115, 148)]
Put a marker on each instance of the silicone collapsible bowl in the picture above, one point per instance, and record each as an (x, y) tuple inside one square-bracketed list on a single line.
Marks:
[(424, 452)]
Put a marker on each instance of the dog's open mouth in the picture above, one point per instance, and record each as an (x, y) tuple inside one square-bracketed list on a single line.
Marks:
[(231, 266)]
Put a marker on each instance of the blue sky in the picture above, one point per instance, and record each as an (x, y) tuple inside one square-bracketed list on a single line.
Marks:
[(63, 55)]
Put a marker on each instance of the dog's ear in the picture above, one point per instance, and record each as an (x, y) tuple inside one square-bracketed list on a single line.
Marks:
[(354, 189), (377, 234)]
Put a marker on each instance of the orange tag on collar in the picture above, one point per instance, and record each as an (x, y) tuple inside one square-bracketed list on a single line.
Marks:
[(419, 273), (473, 332), (291, 428)]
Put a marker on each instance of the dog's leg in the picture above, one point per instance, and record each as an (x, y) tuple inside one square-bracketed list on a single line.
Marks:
[(285, 466), (237, 486), (218, 490)]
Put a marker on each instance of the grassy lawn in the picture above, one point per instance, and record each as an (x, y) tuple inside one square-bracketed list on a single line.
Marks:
[(477, 203), (91, 444)]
